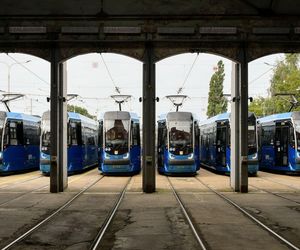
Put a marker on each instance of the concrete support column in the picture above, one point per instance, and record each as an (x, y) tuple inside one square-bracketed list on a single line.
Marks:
[(235, 130), (62, 123), (149, 99), (239, 126), (243, 125), (58, 115)]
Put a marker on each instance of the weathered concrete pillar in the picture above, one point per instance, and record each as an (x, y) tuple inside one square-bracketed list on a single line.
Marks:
[(239, 125), (58, 171), (235, 129), (243, 89), (62, 123), (149, 161)]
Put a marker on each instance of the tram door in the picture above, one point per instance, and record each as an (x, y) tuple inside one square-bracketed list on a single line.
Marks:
[(281, 144), (221, 145)]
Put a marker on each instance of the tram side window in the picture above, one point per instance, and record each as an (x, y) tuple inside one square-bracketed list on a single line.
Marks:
[(197, 135), (31, 134), (160, 140), (1, 131), (292, 137), (90, 138), (74, 134), (267, 136), (100, 135), (13, 133), (135, 134)]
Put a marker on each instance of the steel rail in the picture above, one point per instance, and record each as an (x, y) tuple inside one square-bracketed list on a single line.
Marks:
[(275, 194), (187, 216), (23, 194), (17, 183), (277, 236), (278, 182), (36, 189), (23, 236), (109, 218)]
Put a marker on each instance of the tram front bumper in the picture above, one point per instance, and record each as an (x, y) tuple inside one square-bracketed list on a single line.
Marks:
[(181, 162), (116, 162)]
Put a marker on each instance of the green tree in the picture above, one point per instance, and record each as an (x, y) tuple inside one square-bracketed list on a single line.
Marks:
[(285, 79), (217, 103), (80, 110)]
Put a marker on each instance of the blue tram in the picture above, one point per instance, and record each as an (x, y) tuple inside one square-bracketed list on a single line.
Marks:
[(215, 143), (82, 143), (119, 143), (178, 143), (19, 142), (279, 142)]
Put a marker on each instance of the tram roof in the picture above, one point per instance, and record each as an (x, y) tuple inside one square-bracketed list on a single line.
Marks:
[(280, 116), (74, 116), (20, 116), (174, 116), (221, 117), (122, 115), (77, 116), (216, 118)]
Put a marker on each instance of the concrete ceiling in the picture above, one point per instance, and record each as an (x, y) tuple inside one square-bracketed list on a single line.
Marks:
[(148, 8)]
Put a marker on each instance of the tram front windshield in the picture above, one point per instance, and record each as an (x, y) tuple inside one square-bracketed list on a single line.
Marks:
[(116, 136), (180, 137), (45, 125)]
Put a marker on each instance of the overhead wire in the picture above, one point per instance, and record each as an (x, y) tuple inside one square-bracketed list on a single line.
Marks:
[(29, 70), (188, 74), (117, 89)]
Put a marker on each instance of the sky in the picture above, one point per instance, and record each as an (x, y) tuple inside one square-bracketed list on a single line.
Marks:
[(94, 78)]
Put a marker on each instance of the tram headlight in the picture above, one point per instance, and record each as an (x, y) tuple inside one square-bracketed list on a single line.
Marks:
[(171, 156), (254, 156), (126, 156), (191, 156)]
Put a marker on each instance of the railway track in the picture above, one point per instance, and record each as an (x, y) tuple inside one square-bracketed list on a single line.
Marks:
[(275, 194), (278, 182), (48, 218), (18, 182), (188, 218), (258, 222), (97, 241), (36, 189), (100, 235)]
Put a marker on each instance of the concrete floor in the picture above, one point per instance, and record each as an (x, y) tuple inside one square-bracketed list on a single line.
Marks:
[(150, 221)]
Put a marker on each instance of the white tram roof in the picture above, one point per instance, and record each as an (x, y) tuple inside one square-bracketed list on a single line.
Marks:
[(177, 116), (120, 115)]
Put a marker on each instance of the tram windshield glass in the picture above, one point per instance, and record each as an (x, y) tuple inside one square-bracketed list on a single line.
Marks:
[(116, 136), (297, 128), (180, 137), (45, 126)]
